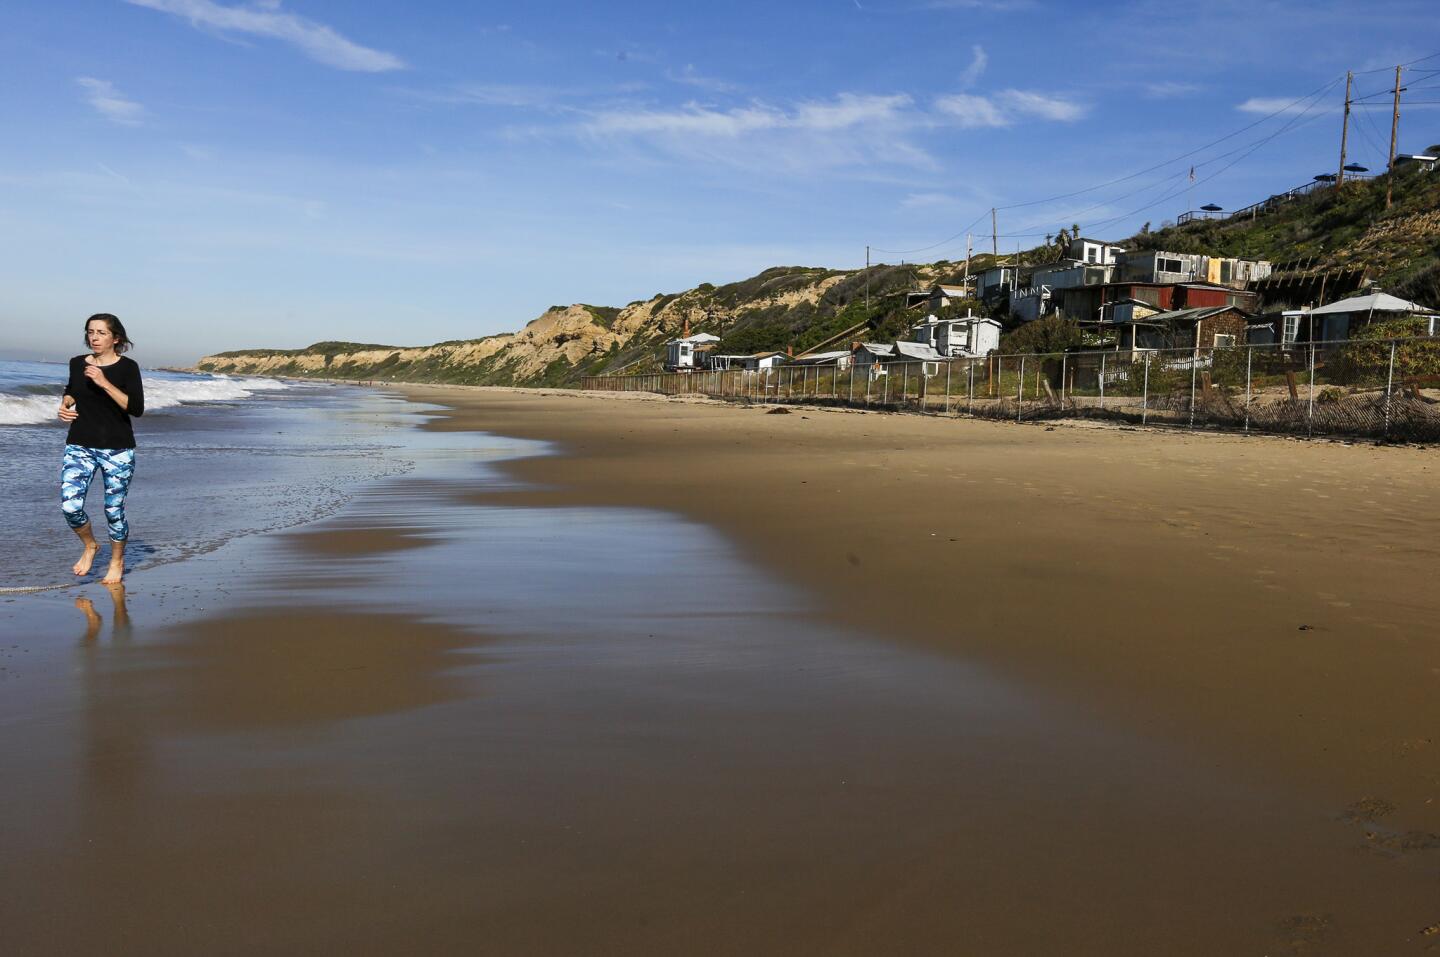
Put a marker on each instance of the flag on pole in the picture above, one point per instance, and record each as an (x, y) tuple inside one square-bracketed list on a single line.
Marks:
[(1192, 174)]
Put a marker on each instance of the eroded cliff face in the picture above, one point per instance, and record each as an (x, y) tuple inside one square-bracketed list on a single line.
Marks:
[(557, 347)]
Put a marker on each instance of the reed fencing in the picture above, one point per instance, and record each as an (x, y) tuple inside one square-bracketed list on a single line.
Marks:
[(1387, 389)]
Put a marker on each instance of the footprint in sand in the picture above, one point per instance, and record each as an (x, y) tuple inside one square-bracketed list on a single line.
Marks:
[(1367, 810)]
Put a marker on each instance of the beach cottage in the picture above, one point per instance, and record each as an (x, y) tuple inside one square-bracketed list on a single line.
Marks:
[(1336, 322), (870, 357), (967, 335), (682, 354)]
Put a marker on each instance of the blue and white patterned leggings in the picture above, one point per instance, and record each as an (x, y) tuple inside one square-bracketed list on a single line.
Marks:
[(117, 465)]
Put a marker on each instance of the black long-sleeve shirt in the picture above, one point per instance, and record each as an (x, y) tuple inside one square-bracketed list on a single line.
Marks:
[(102, 423)]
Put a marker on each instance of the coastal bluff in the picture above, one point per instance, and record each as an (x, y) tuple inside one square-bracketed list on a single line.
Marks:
[(785, 304)]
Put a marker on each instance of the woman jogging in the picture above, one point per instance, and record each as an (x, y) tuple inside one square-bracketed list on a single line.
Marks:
[(103, 393)]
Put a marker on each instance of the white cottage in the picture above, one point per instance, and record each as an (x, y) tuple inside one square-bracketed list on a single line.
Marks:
[(1094, 252), (680, 354), (969, 335)]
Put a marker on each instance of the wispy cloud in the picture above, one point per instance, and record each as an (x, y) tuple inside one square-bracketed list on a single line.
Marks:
[(978, 62), (845, 111), (849, 130), (1041, 106), (692, 77), (1273, 104), (1171, 89), (266, 19), (514, 95), (972, 111), (110, 102)]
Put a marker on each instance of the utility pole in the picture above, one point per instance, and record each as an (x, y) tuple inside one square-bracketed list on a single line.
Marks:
[(1394, 128), (1344, 130), (867, 279), (994, 236), (967, 264)]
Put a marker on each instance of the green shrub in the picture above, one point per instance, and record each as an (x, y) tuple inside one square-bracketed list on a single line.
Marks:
[(1366, 357), (1051, 334)]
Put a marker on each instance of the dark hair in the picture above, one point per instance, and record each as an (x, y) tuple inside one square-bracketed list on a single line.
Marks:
[(117, 328)]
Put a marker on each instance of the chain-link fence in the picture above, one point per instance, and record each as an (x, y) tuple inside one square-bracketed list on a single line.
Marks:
[(1386, 388)]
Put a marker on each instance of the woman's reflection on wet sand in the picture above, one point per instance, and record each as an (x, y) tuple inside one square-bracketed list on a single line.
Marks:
[(119, 622)]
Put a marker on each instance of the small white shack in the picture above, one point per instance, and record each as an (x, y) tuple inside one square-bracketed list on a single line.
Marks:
[(968, 335), (1094, 252), (1423, 161), (680, 354)]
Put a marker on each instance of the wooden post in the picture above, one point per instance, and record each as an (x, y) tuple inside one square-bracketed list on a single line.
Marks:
[(1394, 128), (1344, 130)]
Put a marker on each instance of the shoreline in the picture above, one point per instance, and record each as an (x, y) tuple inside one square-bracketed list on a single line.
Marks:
[(1188, 586)]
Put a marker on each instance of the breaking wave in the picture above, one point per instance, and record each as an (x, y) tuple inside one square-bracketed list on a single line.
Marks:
[(23, 403)]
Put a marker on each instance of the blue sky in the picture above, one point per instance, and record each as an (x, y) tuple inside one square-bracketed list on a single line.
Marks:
[(224, 175)]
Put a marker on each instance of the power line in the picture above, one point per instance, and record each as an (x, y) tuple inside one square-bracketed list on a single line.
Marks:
[(1316, 93), (1182, 156), (943, 242), (1378, 137), (1218, 172)]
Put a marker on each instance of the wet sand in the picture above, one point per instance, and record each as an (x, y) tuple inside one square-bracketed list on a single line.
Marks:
[(1274, 592), (712, 681)]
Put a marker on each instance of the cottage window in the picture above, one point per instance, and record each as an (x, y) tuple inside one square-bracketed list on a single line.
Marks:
[(1169, 265), (1224, 339), (1291, 331)]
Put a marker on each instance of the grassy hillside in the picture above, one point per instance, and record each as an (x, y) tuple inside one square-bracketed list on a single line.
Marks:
[(1347, 228)]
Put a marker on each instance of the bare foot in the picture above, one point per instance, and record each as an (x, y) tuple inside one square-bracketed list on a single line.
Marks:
[(87, 558), (113, 574)]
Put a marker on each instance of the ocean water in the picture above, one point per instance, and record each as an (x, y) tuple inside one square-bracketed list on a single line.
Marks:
[(217, 457)]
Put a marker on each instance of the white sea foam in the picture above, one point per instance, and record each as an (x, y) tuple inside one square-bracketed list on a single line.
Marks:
[(160, 393)]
